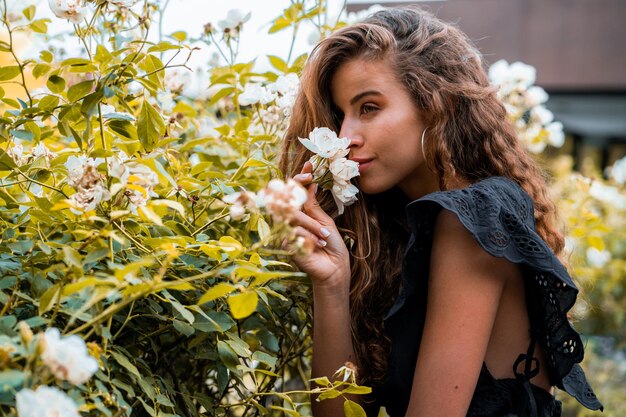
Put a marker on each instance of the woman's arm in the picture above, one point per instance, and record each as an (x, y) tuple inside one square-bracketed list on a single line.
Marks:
[(328, 266), (464, 290)]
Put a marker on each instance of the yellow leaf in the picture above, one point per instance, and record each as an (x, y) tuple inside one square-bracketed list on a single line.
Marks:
[(146, 213), (263, 228), (216, 292), (596, 242), (352, 409), (242, 305), (171, 204)]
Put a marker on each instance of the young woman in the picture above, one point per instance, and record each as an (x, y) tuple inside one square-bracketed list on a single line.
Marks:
[(451, 300)]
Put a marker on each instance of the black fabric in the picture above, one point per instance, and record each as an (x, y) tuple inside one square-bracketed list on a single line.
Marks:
[(499, 214)]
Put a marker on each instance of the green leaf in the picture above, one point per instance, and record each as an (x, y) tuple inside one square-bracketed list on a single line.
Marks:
[(227, 355), (180, 36), (56, 84), (23, 134), (48, 103), (221, 94), (9, 72), (278, 63), (49, 298), (10, 379), (263, 229), (244, 304), (79, 90), (40, 70), (71, 257), (216, 292), (46, 56), (90, 102), (352, 409), (266, 358), (125, 363), (39, 26), (29, 12), (150, 126)]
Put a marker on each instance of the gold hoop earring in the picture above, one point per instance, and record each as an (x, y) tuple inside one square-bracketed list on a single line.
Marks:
[(423, 134)]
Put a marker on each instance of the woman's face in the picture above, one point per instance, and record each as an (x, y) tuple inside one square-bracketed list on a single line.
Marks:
[(384, 127)]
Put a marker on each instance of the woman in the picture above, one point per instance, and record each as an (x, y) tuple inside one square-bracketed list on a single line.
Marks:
[(450, 300)]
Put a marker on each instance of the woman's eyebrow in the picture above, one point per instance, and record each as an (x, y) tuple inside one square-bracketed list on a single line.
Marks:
[(363, 94)]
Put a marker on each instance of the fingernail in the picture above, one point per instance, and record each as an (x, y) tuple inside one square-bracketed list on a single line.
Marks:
[(325, 232), (315, 188), (322, 242)]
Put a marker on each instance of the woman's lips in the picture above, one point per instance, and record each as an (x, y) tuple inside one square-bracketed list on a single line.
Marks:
[(364, 164)]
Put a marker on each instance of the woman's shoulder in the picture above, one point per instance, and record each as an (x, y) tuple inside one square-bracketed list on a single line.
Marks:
[(499, 214)]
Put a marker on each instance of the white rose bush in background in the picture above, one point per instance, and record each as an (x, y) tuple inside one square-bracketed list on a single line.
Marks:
[(142, 266)]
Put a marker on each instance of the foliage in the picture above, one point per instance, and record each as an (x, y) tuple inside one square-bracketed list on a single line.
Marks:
[(118, 224)]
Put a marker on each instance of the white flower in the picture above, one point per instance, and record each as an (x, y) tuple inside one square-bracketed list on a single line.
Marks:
[(73, 10), (45, 402), (175, 81), (556, 137), (343, 169), (597, 258), (607, 194), (272, 115), (166, 101), (535, 96), (282, 199), (325, 143), (344, 194), (88, 198), (618, 171), (256, 93), (239, 202), (541, 114), (41, 151), (523, 74), (17, 153), (235, 18), (76, 166), (67, 357), (286, 84), (143, 176)]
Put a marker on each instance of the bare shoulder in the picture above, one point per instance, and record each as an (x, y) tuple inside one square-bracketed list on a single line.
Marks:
[(454, 245)]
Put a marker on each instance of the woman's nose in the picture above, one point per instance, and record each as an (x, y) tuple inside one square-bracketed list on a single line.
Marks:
[(351, 133)]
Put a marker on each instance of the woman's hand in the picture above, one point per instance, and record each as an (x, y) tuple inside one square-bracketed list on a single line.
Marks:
[(328, 264)]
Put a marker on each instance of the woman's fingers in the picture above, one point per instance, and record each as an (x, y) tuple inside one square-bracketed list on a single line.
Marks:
[(312, 225), (300, 231)]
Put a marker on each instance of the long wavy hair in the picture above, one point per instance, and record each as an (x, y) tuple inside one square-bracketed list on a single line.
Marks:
[(469, 138)]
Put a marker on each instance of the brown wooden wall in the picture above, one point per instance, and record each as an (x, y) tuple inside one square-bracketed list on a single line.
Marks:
[(576, 45)]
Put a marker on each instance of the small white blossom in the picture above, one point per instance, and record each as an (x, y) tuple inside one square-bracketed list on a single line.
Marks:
[(344, 194), (123, 3), (73, 10), (286, 84), (256, 93), (541, 114), (536, 96), (41, 151), (239, 201), (282, 199), (17, 153), (45, 402), (556, 137), (67, 357), (607, 194), (618, 171), (325, 143), (166, 101), (235, 18), (597, 258), (272, 115)]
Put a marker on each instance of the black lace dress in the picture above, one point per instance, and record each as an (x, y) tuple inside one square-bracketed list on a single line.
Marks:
[(499, 214)]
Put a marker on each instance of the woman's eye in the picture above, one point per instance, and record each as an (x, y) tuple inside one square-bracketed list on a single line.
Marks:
[(368, 108)]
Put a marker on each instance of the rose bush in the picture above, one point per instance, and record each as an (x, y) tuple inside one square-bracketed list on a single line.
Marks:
[(148, 221)]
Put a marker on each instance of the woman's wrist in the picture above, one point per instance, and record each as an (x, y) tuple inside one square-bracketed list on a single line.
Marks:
[(337, 286)]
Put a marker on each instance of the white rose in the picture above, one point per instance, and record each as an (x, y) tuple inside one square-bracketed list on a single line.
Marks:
[(344, 194), (282, 199), (535, 96), (286, 84), (73, 10), (324, 142), (618, 171), (556, 137), (523, 74), (67, 357), (234, 19), (255, 93), (542, 115), (344, 169), (45, 402)]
